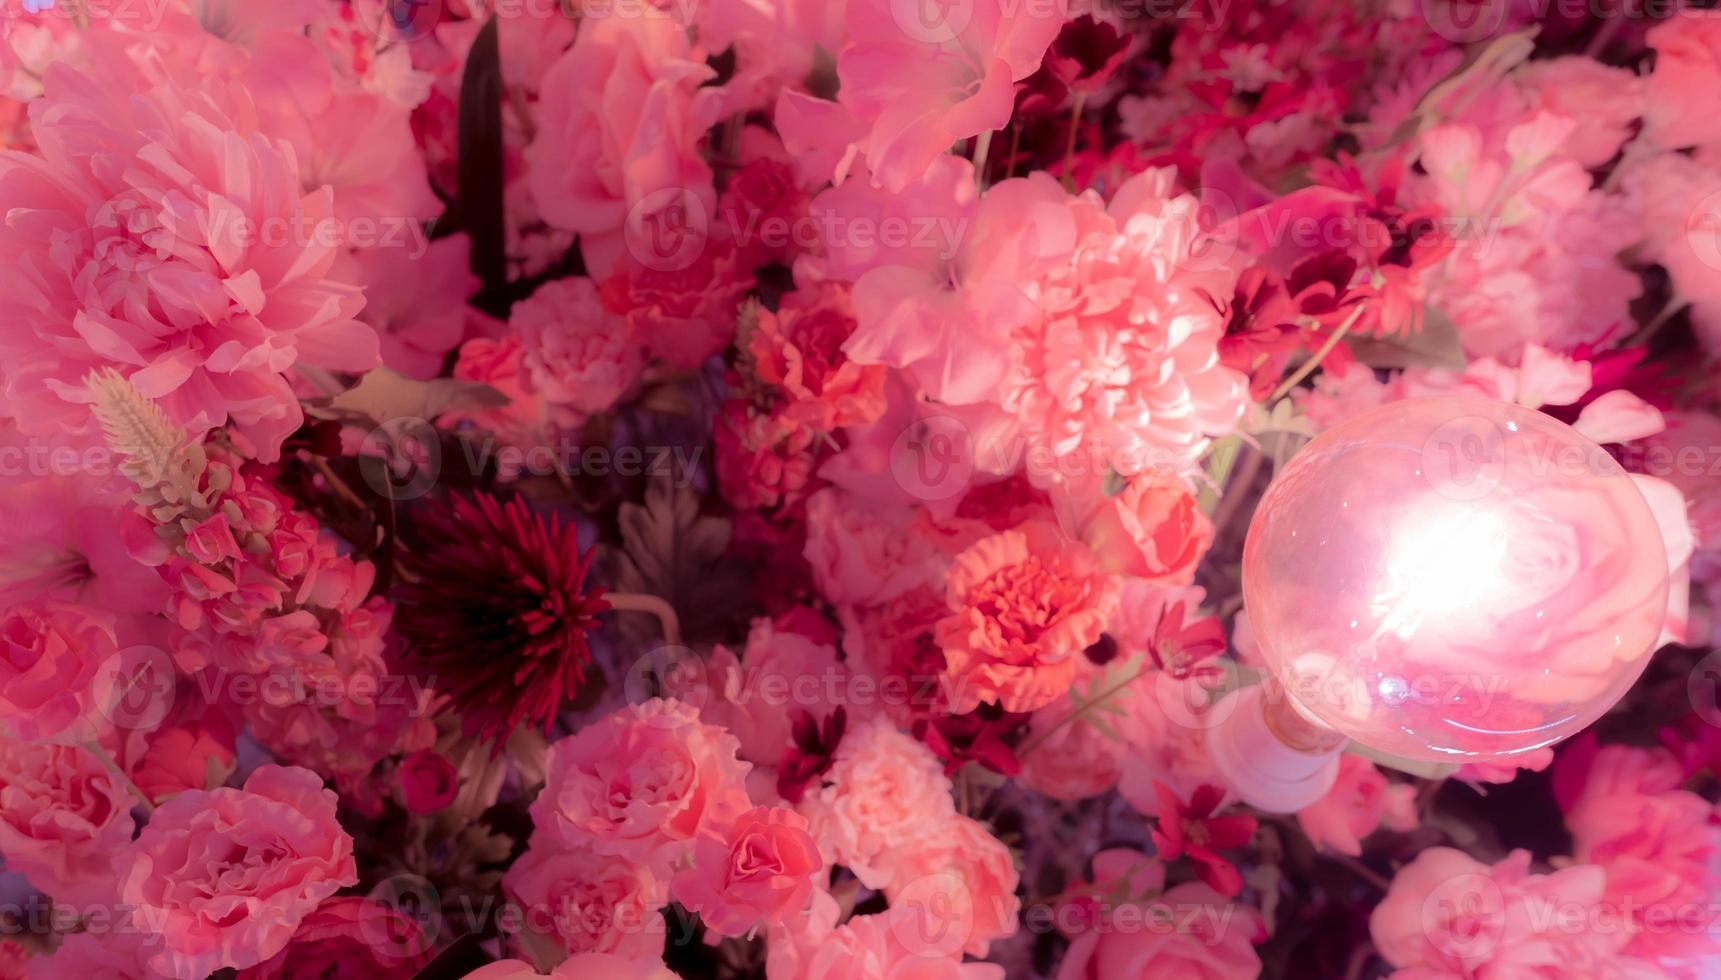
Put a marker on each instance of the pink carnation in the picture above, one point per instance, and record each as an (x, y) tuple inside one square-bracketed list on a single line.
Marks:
[(1024, 604), (190, 756), (798, 348), (223, 878), (184, 254), (586, 902), (761, 870), (865, 555), (683, 314), (902, 943), (881, 793), (641, 783), (965, 876), (63, 819), (577, 356)]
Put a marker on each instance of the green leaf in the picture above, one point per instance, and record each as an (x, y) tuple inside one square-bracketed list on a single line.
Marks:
[(1434, 346), (382, 394)]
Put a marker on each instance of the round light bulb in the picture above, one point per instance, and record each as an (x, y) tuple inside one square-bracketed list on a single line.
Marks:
[(1454, 579)]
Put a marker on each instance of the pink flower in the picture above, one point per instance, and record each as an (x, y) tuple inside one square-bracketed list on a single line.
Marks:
[(1451, 916), (50, 658), (1197, 830), (428, 781), (415, 299), (683, 314), (1606, 101), (580, 966), (763, 463), (1153, 530), (755, 696), (798, 348), (578, 357), (63, 819), (959, 860), (622, 117), (1188, 931), (921, 87), (186, 757), (760, 871), (1360, 801), (902, 943), (862, 554), (349, 938), (586, 902), (641, 783), (1023, 605), (184, 254), (1687, 64), (223, 878), (882, 791)]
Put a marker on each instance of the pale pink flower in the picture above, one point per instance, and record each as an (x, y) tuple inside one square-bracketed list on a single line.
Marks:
[(761, 870), (1687, 65), (92, 954), (756, 696), (580, 966), (222, 878), (1153, 530), (415, 299), (904, 943), (863, 554), (586, 902), (182, 252), (1024, 604), (881, 793), (1359, 802), (1674, 198), (920, 78), (1073, 759), (959, 860), (621, 120), (577, 356), (1167, 735), (1606, 102), (1189, 931), (63, 819), (641, 783)]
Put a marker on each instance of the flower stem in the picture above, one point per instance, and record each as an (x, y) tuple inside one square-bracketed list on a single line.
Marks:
[(1308, 367), (94, 748), (642, 602)]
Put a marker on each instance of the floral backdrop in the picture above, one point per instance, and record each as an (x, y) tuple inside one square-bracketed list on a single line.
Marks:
[(756, 488)]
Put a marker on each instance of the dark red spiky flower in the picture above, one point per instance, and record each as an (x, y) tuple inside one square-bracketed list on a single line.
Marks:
[(497, 608)]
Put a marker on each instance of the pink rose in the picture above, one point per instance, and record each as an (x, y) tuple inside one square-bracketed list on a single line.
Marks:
[(1360, 801), (49, 660), (1687, 64), (586, 902), (224, 877), (579, 357), (349, 938), (882, 792), (428, 782), (760, 871), (1152, 530), (63, 818), (1024, 604), (1190, 932), (641, 784), (186, 757), (958, 870)]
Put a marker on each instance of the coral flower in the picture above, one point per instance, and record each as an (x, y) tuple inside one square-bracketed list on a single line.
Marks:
[(498, 609)]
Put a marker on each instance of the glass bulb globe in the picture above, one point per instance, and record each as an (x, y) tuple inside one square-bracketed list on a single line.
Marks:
[(1454, 579)]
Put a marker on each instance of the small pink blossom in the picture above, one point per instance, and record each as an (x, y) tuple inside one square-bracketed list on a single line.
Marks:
[(1359, 802)]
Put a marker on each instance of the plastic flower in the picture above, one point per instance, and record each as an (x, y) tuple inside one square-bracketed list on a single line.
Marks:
[(1195, 829), (498, 609), (759, 871)]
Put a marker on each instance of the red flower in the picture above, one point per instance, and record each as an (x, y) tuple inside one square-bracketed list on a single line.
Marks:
[(1192, 829), (497, 608), (1179, 650), (978, 736), (811, 755)]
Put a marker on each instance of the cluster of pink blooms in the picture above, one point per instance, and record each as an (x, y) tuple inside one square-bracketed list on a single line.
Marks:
[(972, 327)]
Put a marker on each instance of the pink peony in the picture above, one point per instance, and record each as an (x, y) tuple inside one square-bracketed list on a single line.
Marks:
[(576, 356), (224, 878), (50, 659), (182, 252), (761, 870), (1687, 65), (1360, 801), (1189, 931), (641, 783), (961, 872), (882, 791), (586, 902), (63, 819), (1024, 604)]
